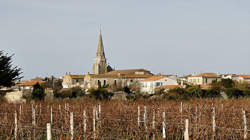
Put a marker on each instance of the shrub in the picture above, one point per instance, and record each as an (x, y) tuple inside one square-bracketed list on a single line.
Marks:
[(70, 93), (177, 94), (38, 92), (246, 93), (77, 92), (194, 91), (159, 91), (100, 94), (234, 92), (227, 83)]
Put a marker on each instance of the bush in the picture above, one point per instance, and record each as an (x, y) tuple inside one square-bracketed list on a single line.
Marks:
[(194, 91), (177, 94), (70, 93), (227, 83), (159, 91), (234, 92), (38, 92), (100, 94), (246, 93), (77, 92)]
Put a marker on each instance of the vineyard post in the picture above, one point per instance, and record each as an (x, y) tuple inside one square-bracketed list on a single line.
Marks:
[(145, 117), (138, 117), (244, 124), (196, 120), (94, 121), (186, 135), (84, 122), (20, 111), (49, 137), (51, 115), (60, 112), (71, 125), (213, 122), (40, 109), (153, 123), (99, 116), (65, 113), (15, 133), (33, 115), (181, 109), (163, 125)]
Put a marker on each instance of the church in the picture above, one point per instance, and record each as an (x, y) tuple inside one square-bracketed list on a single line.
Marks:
[(104, 75)]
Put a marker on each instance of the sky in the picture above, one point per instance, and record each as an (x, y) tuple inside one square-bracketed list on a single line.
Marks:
[(52, 37)]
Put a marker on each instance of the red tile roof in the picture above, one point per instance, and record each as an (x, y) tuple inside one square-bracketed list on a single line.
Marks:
[(31, 83), (154, 78)]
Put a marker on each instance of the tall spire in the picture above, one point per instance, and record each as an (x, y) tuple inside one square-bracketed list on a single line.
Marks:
[(100, 65), (100, 49)]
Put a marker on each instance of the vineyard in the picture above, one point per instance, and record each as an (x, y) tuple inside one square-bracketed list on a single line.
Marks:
[(67, 120)]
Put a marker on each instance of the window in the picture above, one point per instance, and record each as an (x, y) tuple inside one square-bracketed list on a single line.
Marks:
[(115, 82), (104, 83), (99, 83), (158, 84)]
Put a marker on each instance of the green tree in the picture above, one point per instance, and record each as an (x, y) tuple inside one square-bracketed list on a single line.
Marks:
[(227, 83), (100, 94), (8, 72), (234, 92), (38, 92), (194, 91)]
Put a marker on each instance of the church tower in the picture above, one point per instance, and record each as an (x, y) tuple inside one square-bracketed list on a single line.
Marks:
[(100, 64)]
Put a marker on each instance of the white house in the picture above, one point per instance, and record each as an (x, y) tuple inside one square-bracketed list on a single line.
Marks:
[(203, 78), (150, 84), (241, 78)]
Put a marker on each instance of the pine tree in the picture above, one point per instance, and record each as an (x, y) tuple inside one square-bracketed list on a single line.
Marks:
[(8, 73)]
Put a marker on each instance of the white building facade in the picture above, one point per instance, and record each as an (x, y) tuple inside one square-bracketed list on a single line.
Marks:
[(150, 84)]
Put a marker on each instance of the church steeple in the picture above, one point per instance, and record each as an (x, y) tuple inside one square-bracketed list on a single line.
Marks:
[(100, 49), (100, 65)]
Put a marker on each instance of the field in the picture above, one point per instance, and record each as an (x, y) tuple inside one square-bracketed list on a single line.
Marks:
[(207, 119)]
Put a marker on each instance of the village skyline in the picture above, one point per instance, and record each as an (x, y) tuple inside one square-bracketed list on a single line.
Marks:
[(168, 37)]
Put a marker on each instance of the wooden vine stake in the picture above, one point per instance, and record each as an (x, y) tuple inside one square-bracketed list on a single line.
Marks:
[(153, 122), (99, 116), (20, 111), (49, 137), (15, 132), (163, 125), (244, 124), (94, 117), (181, 110), (138, 117), (84, 122), (145, 117), (51, 115), (213, 122), (71, 126), (33, 115), (186, 135)]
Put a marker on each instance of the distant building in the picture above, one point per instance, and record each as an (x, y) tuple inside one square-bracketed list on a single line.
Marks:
[(70, 81), (203, 78), (241, 78), (104, 75), (28, 85), (150, 84), (100, 65)]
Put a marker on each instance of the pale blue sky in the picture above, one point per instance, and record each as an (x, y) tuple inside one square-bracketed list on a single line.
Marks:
[(51, 37)]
